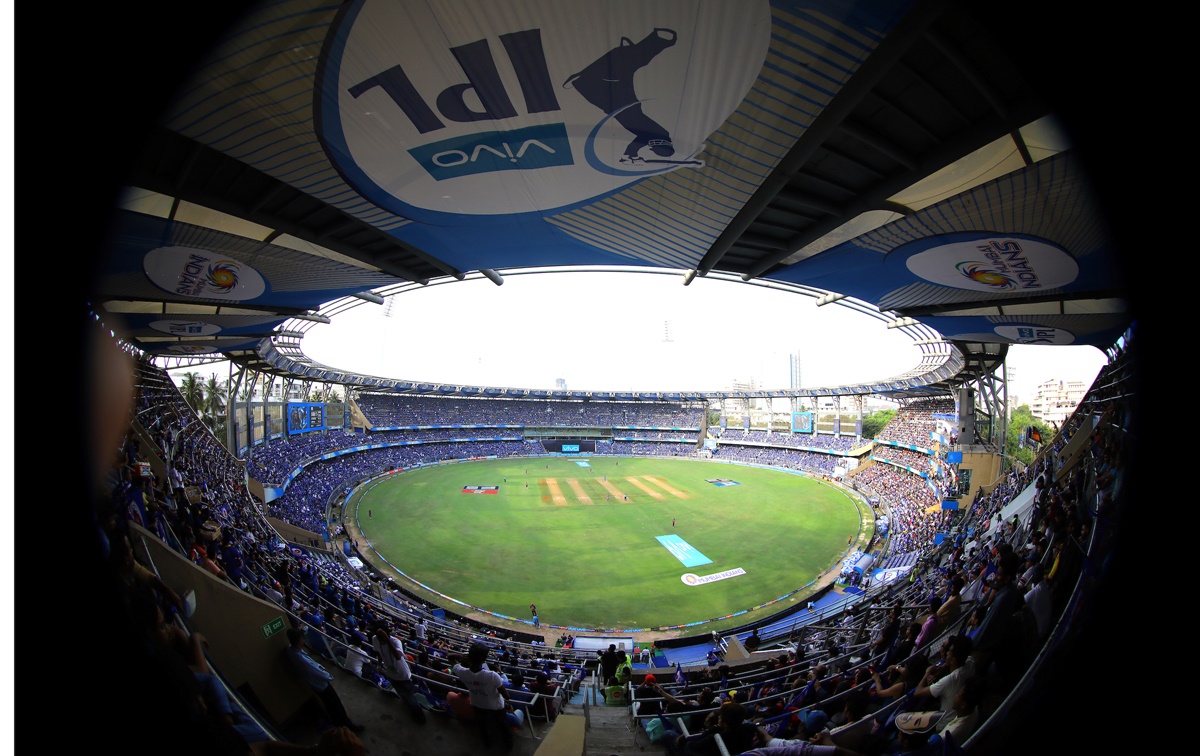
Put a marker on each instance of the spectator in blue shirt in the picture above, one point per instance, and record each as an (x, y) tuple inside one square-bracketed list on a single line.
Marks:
[(318, 679)]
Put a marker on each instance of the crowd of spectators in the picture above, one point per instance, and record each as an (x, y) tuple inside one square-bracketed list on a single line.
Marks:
[(649, 435), (931, 654), (321, 592), (650, 448), (915, 513), (790, 459), (793, 440), (425, 435), (974, 608), (272, 461), (903, 457), (304, 502), (914, 423), (389, 410)]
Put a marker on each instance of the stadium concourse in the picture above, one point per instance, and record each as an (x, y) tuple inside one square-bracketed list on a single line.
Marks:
[(214, 185)]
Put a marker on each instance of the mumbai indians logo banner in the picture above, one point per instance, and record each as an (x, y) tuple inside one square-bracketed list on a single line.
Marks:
[(506, 108), (201, 274), (992, 264), (802, 422)]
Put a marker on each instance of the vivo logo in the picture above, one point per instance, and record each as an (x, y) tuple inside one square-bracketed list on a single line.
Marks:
[(521, 149)]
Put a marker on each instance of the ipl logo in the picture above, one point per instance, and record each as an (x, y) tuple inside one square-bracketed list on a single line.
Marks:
[(436, 127)]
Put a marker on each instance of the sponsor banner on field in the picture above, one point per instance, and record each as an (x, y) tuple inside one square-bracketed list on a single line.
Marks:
[(722, 482), (481, 489), (689, 578)]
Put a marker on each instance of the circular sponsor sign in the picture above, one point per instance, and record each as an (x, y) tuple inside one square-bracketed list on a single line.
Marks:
[(185, 327), (545, 107), (1032, 334), (1015, 333), (996, 264), (202, 274), (690, 578)]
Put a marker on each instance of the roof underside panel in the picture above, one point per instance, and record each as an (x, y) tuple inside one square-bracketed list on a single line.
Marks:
[(554, 133), (814, 142)]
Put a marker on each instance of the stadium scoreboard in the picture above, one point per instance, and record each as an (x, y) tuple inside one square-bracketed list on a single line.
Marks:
[(305, 417)]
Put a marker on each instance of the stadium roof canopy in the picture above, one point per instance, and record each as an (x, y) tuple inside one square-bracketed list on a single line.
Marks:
[(889, 156)]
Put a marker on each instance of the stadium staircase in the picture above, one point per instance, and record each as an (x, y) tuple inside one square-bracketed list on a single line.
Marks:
[(611, 729)]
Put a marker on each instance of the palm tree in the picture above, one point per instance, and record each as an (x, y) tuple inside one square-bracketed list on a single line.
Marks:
[(214, 404), (193, 391)]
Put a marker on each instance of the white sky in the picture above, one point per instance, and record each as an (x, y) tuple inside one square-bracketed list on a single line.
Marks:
[(607, 332), (1029, 366)]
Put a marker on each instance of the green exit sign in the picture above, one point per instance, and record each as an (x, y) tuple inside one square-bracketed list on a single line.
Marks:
[(272, 627)]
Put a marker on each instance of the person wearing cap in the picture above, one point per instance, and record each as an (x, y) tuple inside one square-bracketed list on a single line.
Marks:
[(648, 692)]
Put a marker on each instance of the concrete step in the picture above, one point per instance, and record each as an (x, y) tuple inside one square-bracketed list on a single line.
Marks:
[(613, 733)]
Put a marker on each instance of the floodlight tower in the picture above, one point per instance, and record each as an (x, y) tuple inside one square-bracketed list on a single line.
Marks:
[(794, 377)]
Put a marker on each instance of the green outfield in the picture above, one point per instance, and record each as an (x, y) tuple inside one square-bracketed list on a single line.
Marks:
[(565, 536)]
